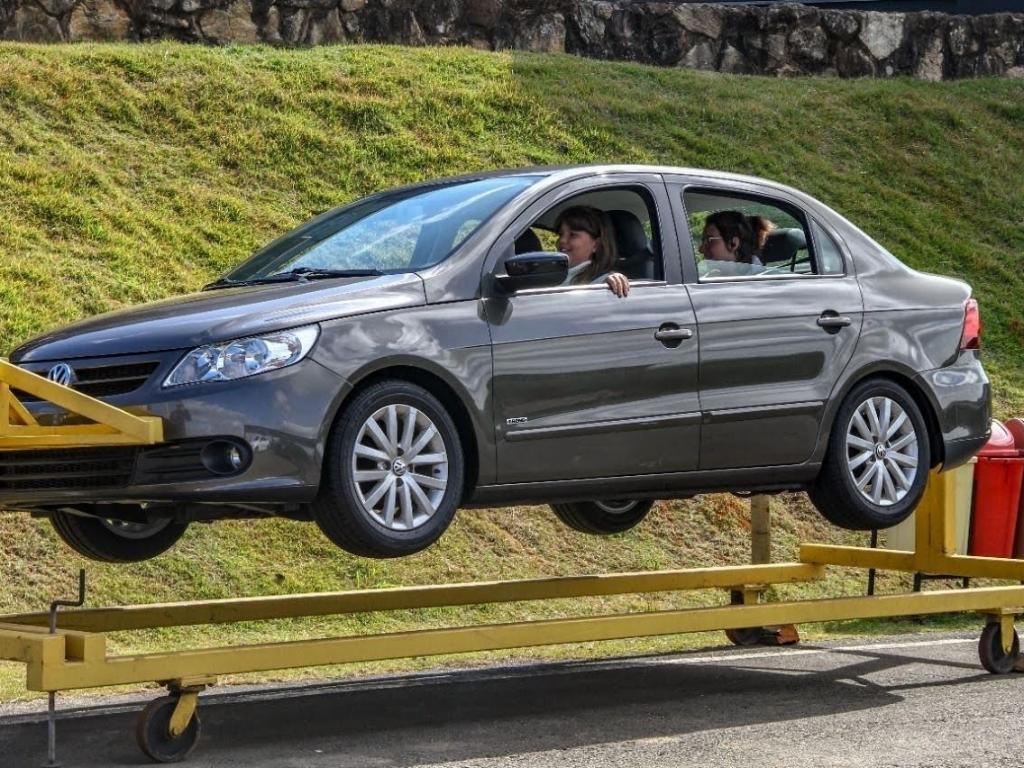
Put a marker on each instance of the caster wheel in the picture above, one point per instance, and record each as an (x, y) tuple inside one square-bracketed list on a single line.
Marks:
[(152, 731), (744, 637), (990, 650)]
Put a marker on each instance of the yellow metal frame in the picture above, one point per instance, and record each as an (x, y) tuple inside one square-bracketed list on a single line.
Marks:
[(934, 545), (108, 425), (76, 656)]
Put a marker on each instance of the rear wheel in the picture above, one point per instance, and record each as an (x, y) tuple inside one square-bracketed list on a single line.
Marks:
[(603, 517), (878, 457), (393, 473), (116, 541)]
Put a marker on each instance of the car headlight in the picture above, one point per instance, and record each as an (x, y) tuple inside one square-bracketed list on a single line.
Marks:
[(243, 357)]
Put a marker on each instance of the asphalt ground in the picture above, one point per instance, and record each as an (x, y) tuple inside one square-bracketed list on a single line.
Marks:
[(920, 700)]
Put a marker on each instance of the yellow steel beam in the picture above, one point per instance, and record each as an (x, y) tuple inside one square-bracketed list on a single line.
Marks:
[(21, 643), (895, 560), (112, 425), (977, 567), (357, 601), (78, 646), (6, 409), (20, 412), (41, 652), (17, 414), (935, 528), (858, 557), (431, 642)]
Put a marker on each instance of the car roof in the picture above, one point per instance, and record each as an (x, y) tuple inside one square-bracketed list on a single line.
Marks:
[(557, 173)]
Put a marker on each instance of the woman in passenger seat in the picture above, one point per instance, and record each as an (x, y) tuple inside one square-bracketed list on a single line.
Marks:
[(731, 236), (586, 235)]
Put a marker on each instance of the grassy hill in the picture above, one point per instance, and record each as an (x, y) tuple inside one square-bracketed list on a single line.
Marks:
[(129, 173)]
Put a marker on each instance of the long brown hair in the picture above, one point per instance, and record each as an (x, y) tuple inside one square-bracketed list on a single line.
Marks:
[(597, 224)]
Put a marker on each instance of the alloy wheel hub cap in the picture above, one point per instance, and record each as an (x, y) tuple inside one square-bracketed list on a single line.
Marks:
[(881, 451), (399, 465)]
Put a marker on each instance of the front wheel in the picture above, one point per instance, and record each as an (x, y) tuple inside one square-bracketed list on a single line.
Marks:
[(877, 462), (602, 518), (116, 541), (393, 472)]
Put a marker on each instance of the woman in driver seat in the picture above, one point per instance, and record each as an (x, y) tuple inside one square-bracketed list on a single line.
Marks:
[(587, 236)]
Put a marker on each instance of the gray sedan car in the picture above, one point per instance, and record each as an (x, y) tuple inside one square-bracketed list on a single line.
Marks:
[(423, 349)]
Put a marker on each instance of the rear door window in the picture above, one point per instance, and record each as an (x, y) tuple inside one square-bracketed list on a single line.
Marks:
[(736, 236)]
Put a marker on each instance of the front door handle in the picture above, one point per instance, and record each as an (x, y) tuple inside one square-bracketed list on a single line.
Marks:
[(671, 335), (831, 321)]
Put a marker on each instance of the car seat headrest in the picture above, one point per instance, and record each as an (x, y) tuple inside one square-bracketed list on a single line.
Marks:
[(629, 233), (782, 245), (528, 242)]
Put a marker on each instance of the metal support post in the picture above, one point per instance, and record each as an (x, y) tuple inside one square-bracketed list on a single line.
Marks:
[(51, 708), (761, 553), (760, 529), (871, 571)]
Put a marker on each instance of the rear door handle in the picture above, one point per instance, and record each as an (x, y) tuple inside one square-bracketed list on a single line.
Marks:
[(832, 321), (678, 334)]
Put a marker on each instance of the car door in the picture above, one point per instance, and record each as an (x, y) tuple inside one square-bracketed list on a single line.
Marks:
[(586, 384), (773, 344)]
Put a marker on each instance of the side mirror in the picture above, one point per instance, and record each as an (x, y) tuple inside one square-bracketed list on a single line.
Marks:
[(537, 269)]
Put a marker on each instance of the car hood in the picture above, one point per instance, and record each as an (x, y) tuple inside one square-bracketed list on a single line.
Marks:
[(219, 315)]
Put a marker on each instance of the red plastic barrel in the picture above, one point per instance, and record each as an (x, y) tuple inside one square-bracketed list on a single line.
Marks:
[(997, 485), (1016, 429)]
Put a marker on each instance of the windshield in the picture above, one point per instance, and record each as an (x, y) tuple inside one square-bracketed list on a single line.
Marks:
[(392, 232)]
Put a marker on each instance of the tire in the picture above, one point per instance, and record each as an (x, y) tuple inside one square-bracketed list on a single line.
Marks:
[(866, 434), (152, 732), (990, 650), (602, 518), (743, 636), (746, 637), (113, 541), (413, 508)]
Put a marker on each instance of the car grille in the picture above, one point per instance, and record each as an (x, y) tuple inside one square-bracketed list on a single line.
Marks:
[(66, 469), (105, 380)]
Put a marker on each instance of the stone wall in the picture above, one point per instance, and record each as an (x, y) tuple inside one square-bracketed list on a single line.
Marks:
[(777, 40)]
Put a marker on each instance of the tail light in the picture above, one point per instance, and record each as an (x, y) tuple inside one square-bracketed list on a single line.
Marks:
[(971, 337)]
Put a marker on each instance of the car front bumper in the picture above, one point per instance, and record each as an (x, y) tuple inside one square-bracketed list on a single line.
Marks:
[(279, 419)]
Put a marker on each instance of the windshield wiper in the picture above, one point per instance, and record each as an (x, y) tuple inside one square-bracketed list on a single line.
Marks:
[(314, 273), (295, 275)]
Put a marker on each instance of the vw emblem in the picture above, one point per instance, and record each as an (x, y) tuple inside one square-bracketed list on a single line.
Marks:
[(62, 374)]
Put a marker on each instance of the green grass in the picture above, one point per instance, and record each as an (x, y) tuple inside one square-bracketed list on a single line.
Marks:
[(132, 172)]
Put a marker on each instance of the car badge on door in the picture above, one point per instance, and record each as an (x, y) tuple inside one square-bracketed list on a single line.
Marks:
[(62, 374)]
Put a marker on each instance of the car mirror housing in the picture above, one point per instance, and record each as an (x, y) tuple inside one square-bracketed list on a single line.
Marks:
[(537, 269)]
